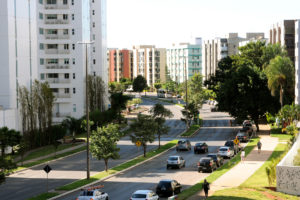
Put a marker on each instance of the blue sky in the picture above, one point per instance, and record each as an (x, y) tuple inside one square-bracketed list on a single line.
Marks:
[(163, 22)]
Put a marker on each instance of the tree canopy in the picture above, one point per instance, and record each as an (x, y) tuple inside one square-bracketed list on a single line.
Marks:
[(139, 84)]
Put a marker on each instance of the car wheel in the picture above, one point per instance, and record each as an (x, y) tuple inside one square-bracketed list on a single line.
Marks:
[(184, 165), (106, 198), (195, 152), (199, 170)]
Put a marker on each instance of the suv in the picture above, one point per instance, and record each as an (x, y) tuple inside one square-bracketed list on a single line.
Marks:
[(168, 187), (175, 161), (183, 145), (200, 147), (226, 152), (243, 136), (217, 159), (143, 195), (87, 194), (206, 164), (230, 143)]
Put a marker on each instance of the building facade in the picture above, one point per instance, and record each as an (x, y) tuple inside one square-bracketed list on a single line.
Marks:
[(40, 41), (149, 62), (184, 60), (297, 62), (120, 64)]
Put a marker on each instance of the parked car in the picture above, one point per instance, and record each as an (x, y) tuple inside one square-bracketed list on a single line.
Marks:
[(206, 164), (183, 144), (144, 195), (168, 187), (226, 152), (175, 161), (91, 193), (231, 144), (217, 159), (243, 136), (200, 147)]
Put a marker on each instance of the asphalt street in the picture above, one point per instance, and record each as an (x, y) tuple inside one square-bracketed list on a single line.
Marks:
[(31, 182), (215, 132)]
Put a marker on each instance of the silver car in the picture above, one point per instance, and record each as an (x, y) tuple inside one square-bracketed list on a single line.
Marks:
[(175, 161), (226, 152), (183, 144)]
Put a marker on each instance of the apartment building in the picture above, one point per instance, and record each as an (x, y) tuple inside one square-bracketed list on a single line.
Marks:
[(184, 60), (297, 62), (149, 62), (40, 41), (284, 33), (120, 64)]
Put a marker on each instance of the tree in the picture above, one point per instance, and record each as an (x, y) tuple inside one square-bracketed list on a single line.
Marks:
[(104, 143), (72, 125), (118, 103), (270, 52), (96, 91), (139, 83), (55, 144), (157, 86), (170, 86), (126, 82), (159, 113), (281, 74), (8, 138), (195, 91), (190, 112), (115, 87), (142, 130)]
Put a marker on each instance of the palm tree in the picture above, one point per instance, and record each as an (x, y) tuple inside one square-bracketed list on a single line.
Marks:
[(280, 73)]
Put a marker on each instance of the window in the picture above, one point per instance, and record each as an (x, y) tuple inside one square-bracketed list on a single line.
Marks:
[(41, 31), (73, 16), (74, 90), (94, 61), (66, 61), (65, 16), (65, 31), (73, 31), (41, 46), (66, 46), (41, 61), (93, 1), (51, 1), (73, 75), (73, 60), (72, 2), (52, 46), (94, 49), (93, 24), (65, 2), (42, 76), (94, 37), (41, 1), (52, 31), (73, 46), (74, 107), (93, 12), (52, 61), (66, 76), (67, 90), (53, 16), (41, 16)]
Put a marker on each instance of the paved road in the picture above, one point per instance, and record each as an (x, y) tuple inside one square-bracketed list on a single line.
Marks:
[(32, 182), (215, 132)]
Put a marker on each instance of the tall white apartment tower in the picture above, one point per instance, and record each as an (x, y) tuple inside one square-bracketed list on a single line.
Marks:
[(39, 40)]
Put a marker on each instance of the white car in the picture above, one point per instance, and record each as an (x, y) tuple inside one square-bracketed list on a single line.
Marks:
[(175, 161), (95, 194), (144, 195), (226, 152)]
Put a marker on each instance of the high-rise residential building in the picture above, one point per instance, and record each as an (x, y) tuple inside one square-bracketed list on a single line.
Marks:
[(184, 60), (149, 62), (39, 40), (120, 64), (284, 33), (214, 50), (297, 61)]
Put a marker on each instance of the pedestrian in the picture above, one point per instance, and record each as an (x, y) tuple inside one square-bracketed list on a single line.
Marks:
[(206, 188), (243, 155), (259, 144)]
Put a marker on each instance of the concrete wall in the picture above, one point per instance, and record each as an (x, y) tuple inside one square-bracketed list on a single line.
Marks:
[(287, 175), (9, 118)]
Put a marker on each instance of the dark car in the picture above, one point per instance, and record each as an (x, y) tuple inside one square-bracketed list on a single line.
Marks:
[(217, 159), (232, 145), (168, 187), (200, 147), (183, 144), (242, 136), (206, 164)]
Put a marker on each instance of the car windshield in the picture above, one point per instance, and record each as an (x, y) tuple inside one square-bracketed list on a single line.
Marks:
[(87, 193), (172, 158), (223, 149), (139, 196), (181, 142)]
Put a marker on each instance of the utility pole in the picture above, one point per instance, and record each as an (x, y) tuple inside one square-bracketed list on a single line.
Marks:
[(186, 86), (87, 110)]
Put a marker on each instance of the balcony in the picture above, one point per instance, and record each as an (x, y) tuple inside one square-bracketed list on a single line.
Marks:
[(58, 80), (60, 114), (56, 21), (56, 6), (224, 48), (55, 66), (57, 51)]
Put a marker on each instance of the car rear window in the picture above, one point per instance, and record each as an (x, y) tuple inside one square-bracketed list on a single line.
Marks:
[(87, 193), (199, 144), (139, 196), (212, 156), (173, 158), (181, 142), (164, 183), (229, 143), (223, 149)]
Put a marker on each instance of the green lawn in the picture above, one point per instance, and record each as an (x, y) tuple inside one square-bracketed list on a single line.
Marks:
[(191, 130), (44, 196), (219, 172)]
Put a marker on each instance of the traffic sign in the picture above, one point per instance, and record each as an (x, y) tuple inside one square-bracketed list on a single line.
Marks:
[(138, 143), (236, 141), (47, 169)]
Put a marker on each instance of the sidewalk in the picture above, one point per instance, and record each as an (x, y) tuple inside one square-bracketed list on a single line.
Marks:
[(242, 171)]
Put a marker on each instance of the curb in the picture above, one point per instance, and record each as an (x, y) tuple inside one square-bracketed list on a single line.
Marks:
[(110, 176)]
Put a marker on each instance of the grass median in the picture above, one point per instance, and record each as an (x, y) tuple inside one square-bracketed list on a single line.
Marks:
[(44, 196), (191, 130), (219, 172)]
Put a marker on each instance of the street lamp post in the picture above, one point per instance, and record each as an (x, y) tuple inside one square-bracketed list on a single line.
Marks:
[(87, 111)]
